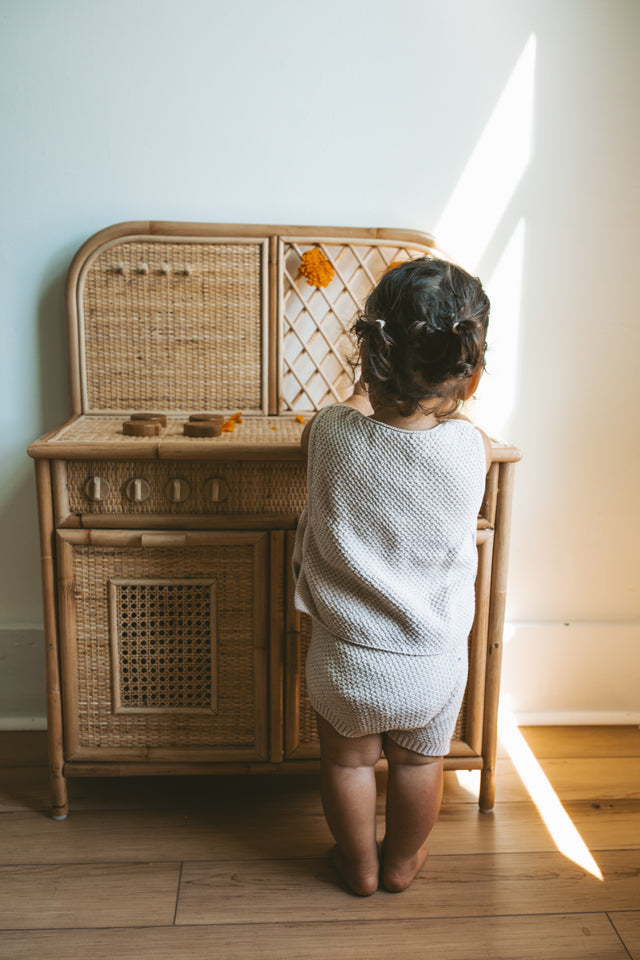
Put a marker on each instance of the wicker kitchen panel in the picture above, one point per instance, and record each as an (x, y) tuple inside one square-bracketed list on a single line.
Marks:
[(272, 487), (154, 648), (173, 325), (316, 344), (263, 430)]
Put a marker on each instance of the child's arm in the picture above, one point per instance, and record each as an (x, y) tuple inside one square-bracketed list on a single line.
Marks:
[(358, 399)]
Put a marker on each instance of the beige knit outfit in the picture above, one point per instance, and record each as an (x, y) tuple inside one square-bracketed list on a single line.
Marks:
[(385, 563)]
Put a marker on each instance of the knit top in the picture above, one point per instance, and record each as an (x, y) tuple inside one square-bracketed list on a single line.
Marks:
[(385, 551)]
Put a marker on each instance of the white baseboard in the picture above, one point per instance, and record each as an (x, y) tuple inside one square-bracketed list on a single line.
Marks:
[(23, 723)]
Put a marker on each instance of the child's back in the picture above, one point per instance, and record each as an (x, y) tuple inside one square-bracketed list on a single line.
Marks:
[(385, 562)]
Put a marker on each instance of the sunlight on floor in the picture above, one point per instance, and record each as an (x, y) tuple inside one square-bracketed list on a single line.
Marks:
[(556, 819)]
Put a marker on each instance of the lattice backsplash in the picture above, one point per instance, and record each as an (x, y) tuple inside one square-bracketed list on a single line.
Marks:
[(316, 343)]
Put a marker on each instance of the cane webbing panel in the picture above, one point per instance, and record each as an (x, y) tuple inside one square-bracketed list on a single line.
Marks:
[(254, 487), (316, 343), (163, 644), (235, 719), (173, 326), (307, 727)]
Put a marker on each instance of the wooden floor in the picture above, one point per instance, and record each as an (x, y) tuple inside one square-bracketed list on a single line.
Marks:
[(236, 868)]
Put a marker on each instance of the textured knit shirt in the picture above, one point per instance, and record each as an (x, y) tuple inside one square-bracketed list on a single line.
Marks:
[(385, 552)]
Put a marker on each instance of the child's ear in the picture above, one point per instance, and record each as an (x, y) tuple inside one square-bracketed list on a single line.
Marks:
[(472, 383)]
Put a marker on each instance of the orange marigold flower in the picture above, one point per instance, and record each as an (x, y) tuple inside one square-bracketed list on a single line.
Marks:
[(299, 419), (316, 268), (395, 263)]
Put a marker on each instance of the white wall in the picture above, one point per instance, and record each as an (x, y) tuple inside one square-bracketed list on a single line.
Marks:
[(509, 128)]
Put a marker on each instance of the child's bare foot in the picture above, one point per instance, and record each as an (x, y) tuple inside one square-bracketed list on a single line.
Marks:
[(398, 874), (361, 878)]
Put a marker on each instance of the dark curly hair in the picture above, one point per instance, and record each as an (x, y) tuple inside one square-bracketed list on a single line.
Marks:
[(422, 335)]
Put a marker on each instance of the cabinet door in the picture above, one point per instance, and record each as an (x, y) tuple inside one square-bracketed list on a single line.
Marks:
[(164, 645), (301, 738)]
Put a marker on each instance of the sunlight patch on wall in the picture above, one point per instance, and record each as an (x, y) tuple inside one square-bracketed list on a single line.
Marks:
[(494, 169), (496, 395)]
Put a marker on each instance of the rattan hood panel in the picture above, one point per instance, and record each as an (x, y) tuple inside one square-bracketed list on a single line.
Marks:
[(184, 318), (173, 325)]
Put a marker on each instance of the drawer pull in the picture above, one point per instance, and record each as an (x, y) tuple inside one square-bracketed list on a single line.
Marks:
[(162, 539)]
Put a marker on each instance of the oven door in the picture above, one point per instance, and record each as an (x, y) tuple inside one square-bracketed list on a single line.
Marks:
[(164, 645)]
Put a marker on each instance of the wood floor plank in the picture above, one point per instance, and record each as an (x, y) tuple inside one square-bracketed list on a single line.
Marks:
[(223, 832), (87, 895), (23, 748), (483, 885), (570, 937), (579, 779), (585, 741), (628, 926)]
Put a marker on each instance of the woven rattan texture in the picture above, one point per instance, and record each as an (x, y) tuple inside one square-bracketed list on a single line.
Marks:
[(307, 723), (316, 343), (174, 326), (267, 430), (162, 636), (234, 721), (274, 487), (307, 726)]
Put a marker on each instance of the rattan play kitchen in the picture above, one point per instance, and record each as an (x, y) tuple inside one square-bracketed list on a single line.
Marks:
[(168, 502)]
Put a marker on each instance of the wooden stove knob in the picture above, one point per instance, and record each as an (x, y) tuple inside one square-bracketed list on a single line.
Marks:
[(97, 488), (160, 418), (141, 428), (202, 428)]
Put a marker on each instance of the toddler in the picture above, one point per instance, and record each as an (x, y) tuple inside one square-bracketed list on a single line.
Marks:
[(385, 563)]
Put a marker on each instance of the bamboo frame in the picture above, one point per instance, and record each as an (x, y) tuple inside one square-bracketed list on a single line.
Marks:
[(277, 561), (477, 653), (494, 637), (60, 798)]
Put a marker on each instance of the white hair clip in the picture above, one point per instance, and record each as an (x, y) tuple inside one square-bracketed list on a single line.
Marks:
[(380, 322)]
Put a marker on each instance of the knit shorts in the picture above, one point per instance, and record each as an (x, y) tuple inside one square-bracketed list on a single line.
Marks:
[(361, 690)]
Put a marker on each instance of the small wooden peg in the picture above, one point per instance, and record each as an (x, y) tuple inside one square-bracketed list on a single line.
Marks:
[(160, 418), (141, 428)]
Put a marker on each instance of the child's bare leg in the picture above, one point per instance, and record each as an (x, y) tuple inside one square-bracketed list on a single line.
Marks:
[(349, 802), (414, 794)]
